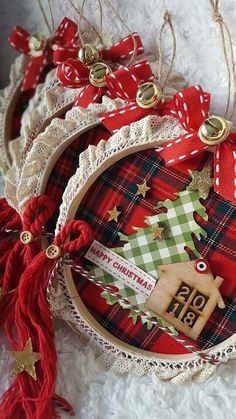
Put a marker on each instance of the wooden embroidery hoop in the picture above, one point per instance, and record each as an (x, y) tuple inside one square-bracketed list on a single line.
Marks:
[(49, 101), (116, 354), (9, 97)]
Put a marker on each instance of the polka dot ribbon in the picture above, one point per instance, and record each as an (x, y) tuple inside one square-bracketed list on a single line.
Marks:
[(192, 108), (74, 74), (58, 48)]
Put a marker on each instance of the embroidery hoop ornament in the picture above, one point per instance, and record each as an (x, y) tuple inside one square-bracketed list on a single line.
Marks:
[(119, 356)]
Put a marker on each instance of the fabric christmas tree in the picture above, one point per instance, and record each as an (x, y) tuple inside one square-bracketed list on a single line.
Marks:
[(146, 252)]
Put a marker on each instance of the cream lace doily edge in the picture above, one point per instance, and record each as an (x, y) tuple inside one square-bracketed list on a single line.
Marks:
[(50, 100), (149, 132), (6, 97), (51, 143)]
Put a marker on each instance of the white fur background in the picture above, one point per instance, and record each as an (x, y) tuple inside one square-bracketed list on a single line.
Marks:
[(97, 394)]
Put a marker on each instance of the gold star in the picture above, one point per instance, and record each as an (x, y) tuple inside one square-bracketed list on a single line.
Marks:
[(142, 189), (201, 182), (25, 360), (114, 214), (157, 232)]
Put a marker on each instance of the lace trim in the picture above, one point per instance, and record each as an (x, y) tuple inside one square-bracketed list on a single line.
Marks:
[(119, 360), (49, 100), (150, 131), (6, 96), (52, 142)]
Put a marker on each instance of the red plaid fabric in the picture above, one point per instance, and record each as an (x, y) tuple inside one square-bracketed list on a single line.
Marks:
[(117, 186), (67, 165)]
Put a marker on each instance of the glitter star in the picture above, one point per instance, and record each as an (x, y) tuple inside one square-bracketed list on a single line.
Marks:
[(201, 182), (142, 189), (157, 232), (25, 360), (114, 214)]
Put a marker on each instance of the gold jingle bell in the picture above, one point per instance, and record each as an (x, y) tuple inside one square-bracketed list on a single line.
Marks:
[(98, 73), (88, 54), (26, 237), (37, 44), (214, 130), (148, 95)]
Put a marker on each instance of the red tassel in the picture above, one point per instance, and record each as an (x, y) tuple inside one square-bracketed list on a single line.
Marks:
[(10, 224), (31, 318), (36, 214)]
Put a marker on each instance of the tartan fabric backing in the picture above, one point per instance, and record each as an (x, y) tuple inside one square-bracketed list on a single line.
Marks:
[(67, 165), (117, 186)]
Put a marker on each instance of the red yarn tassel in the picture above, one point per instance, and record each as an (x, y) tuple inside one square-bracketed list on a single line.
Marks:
[(32, 317), (36, 214), (10, 224)]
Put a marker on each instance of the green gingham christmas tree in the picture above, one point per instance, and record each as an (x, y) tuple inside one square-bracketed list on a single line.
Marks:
[(147, 253)]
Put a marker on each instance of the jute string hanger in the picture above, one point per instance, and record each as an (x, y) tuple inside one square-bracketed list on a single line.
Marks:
[(100, 35), (228, 52)]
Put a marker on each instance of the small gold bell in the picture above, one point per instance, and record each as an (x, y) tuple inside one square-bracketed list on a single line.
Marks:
[(148, 95), (37, 44), (98, 73), (88, 54), (214, 130)]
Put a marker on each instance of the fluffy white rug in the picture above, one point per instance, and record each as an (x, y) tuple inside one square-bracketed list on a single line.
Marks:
[(97, 394)]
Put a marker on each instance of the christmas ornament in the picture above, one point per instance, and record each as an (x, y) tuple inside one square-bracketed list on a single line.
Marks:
[(25, 360), (123, 318), (201, 182)]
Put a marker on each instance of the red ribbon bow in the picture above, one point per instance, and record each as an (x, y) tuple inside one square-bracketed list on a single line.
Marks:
[(74, 74), (124, 83), (63, 40), (192, 106)]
